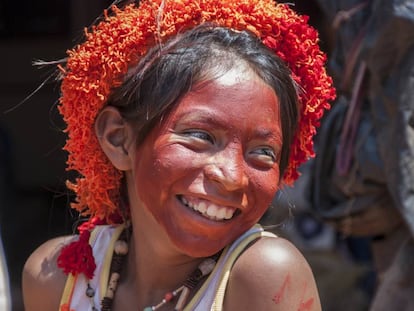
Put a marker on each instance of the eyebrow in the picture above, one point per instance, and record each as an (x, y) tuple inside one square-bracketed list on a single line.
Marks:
[(201, 115), (265, 133)]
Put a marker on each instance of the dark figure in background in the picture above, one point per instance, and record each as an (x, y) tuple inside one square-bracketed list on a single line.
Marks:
[(363, 175)]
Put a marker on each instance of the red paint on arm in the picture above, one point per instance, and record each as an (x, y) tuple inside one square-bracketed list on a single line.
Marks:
[(305, 305), (277, 298)]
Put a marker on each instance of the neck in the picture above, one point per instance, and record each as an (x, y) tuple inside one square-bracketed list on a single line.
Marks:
[(149, 273)]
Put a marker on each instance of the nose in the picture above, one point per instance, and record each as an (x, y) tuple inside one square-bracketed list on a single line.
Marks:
[(228, 171)]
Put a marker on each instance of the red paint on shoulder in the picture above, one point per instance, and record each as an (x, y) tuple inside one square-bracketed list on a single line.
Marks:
[(277, 298), (307, 305)]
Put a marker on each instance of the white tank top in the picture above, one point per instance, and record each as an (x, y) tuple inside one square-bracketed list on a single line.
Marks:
[(209, 297)]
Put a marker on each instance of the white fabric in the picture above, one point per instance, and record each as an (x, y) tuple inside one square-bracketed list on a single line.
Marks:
[(206, 301), (100, 247), (5, 300)]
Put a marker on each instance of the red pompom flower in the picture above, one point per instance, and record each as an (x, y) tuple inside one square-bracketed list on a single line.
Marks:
[(77, 257)]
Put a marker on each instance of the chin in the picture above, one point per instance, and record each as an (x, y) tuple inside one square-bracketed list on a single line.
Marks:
[(204, 245)]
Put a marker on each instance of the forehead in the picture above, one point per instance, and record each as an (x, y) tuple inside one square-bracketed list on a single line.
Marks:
[(234, 96)]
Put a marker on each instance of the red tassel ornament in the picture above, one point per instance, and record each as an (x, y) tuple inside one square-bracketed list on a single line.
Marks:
[(77, 257)]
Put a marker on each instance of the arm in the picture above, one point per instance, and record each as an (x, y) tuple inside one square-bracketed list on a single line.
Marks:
[(43, 282), (272, 275)]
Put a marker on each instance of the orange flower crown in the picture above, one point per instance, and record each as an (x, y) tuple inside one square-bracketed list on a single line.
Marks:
[(95, 67)]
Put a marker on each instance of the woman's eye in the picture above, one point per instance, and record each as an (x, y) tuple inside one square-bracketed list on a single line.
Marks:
[(202, 135), (265, 154)]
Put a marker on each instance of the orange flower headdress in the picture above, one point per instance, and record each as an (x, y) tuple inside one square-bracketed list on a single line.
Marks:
[(99, 64)]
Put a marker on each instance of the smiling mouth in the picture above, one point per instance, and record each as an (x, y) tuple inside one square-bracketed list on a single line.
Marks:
[(209, 210)]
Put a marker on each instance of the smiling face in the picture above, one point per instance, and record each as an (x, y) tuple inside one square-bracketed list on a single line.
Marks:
[(209, 171)]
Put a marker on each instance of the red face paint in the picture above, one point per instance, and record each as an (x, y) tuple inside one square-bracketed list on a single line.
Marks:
[(209, 171)]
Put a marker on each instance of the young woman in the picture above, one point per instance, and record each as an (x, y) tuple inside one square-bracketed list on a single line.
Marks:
[(184, 118)]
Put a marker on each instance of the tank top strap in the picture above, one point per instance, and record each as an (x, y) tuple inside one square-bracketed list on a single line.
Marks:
[(102, 241), (211, 294)]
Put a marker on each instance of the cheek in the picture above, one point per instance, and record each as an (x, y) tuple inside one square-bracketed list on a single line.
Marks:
[(159, 167), (172, 162), (265, 187)]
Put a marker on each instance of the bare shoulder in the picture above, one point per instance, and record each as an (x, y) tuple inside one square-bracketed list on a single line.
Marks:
[(272, 274), (43, 282)]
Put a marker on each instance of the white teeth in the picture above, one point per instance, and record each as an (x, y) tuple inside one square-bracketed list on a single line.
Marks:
[(202, 207), (229, 213), (184, 200), (210, 211), (221, 213)]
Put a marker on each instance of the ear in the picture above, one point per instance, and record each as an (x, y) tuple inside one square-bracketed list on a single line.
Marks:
[(115, 136)]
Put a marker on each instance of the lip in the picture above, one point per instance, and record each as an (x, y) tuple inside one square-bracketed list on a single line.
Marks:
[(208, 209)]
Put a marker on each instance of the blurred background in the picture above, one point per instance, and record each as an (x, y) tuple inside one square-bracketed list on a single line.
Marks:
[(33, 198)]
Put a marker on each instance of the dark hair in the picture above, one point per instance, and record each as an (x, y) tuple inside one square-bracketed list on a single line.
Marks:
[(168, 71)]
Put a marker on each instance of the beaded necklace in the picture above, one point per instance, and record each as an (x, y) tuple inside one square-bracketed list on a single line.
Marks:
[(121, 249)]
